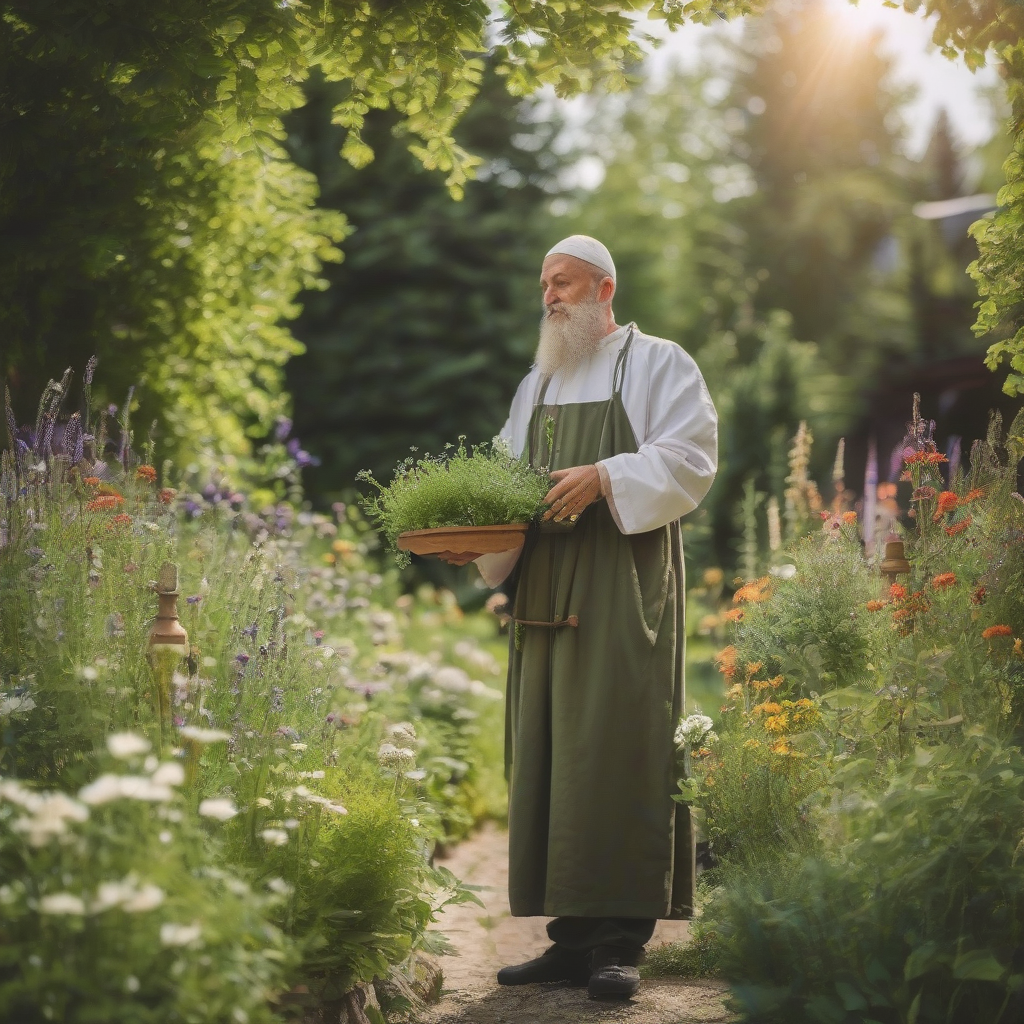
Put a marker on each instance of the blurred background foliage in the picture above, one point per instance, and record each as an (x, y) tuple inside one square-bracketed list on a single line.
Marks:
[(212, 161)]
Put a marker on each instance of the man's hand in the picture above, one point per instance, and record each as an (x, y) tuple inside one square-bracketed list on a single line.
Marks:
[(574, 490)]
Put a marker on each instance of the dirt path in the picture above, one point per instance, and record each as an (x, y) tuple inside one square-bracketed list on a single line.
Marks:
[(489, 938)]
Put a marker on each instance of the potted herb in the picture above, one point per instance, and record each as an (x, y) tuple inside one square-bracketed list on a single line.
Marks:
[(458, 505)]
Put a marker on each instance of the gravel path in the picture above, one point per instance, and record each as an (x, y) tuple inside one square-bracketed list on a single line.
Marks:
[(488, 938)]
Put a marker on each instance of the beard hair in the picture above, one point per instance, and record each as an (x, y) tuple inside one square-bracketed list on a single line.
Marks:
[(569, 333)]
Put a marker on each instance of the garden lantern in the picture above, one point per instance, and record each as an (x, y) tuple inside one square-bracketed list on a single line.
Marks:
[(895, 562), (168, 642)]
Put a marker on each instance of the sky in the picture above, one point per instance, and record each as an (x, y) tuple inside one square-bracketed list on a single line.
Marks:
[(940, 82)]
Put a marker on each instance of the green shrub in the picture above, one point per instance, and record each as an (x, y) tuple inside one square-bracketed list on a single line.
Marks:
[(485, 486)]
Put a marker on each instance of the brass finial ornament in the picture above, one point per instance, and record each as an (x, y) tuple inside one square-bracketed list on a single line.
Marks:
[(895, 562), (168, 642)]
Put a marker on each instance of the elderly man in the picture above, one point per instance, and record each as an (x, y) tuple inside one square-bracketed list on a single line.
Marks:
[(625, 426)]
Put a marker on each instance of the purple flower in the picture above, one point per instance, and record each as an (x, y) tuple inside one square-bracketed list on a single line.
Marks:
[(286, 732), (251, 631), (242, 658), (283, 428), (194, 509), (178, 721), (368, 689), (194, 599), (300, 455), (318, 637), (111, 409)]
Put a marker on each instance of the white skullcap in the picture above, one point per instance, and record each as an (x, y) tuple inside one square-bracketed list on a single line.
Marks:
[(585, 248)]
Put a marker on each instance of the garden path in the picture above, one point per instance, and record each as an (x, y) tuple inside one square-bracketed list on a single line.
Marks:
[(488, 938)]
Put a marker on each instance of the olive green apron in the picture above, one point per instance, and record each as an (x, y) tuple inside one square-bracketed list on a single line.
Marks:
[(595, 689)]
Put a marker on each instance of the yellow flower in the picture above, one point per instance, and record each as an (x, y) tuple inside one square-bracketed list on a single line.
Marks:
[(777, 723), (752, 744)]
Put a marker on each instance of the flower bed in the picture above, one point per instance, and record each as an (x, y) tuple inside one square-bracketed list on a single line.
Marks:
[(864, 797), (273, 842)]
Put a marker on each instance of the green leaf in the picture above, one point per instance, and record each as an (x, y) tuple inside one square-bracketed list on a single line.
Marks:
[(978, 965)]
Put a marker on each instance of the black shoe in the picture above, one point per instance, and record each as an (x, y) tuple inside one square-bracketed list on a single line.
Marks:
[(555, 965), (613, 973)]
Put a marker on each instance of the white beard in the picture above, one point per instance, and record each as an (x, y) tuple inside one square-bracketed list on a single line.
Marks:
[(569, 337)]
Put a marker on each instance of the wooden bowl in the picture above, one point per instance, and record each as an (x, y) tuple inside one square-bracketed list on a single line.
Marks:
[(463, 542)]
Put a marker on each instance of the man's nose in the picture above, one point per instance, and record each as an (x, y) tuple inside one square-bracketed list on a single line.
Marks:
[(550, 295)]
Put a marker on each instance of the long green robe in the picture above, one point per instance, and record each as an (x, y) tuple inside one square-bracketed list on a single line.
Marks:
[(592, 707)]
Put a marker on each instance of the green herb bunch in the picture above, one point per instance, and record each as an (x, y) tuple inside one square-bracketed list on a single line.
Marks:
[(485, 485)]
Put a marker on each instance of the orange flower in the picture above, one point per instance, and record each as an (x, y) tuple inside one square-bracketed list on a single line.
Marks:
[(849, 517), (147, 473), (897, 592), (875, 606), (768, 708), (977, 492), (92, 481), (166, 495), (119, 520), (107, 489), (994, 631), (754, 592), (734, 615), (943, 580), (978, 597), (927, 458), (1018, 648), (948, 501), (725, 661), (104, 503), (959, 527)]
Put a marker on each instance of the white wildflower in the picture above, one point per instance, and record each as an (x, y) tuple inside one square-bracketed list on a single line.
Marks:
[(127, 895), (179, 934), (170, 773), (783, 572), (218, 807), (391, 756), (274, 836), (50, 813), (127, 744), (13, 705), (692, 730), (61, 903), (280, 886), (312, 775), (416, 776), (199, 735), (124, 787), (455, 680), (479, 689), (402, 732), (299, 747)]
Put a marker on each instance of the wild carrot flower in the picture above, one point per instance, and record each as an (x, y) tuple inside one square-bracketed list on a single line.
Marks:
[(994, 631), (956, 528), (875, 606), (944, 580), (147, 473)]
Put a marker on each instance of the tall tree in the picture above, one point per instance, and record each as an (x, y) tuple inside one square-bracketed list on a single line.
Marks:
[(147, 209), (431, 320)]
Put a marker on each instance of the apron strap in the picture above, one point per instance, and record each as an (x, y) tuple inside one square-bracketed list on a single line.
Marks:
[(544, 382), (620, 364)]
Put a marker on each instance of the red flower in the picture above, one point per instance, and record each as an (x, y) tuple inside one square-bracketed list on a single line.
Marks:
[(897, 592), (948, 501), (977, 492), (978, 597), (119, 520), (959, 527), (104, 503), (943, 580), (166, 495), (994, 631), (875, 606), (147, 473)]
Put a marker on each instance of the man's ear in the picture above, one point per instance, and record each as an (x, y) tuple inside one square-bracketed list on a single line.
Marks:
[(606, 290)]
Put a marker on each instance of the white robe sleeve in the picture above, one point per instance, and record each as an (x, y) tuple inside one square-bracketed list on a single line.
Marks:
[(676, 425)]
